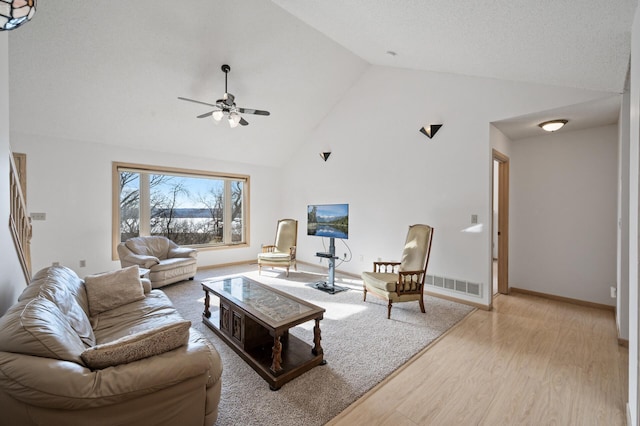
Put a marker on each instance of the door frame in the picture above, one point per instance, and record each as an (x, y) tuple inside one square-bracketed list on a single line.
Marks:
[(503, 220)]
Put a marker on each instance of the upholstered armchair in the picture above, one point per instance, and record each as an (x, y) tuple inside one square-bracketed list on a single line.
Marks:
[(402, 281), (282, 254), (166, 261)]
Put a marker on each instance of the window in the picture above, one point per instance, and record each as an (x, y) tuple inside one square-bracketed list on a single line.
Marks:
[(192, 208)]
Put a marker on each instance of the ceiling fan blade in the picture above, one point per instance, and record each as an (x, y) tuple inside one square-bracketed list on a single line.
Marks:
[(254, 111), (243, 122), (206, 114), (197, 102)]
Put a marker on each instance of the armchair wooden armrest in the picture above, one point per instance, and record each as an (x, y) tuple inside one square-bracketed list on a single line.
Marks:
[(409, 282), (386, 267), (268, 249)]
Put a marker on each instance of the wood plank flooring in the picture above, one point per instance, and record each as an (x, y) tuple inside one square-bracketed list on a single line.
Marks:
[(530, 361)]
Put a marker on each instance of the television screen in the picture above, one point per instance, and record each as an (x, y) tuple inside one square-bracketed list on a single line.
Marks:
[(328, 220)]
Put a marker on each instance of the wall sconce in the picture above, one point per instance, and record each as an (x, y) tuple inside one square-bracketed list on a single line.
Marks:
[(15, 13), (553, 125), (430, 130), (325, 155)]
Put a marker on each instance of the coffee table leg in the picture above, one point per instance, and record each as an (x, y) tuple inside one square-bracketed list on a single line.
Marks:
[(317, 348), (207, 313), (276, 365)]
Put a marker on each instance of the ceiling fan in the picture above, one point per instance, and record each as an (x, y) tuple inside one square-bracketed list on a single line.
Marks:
[(226, 107)]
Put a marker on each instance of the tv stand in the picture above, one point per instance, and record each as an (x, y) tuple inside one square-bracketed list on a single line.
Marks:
[(329, 285)]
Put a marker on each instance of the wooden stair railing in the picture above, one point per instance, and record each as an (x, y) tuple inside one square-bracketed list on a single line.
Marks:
[(19, 221)]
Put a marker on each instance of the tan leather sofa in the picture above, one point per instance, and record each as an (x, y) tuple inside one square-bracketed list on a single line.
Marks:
[(167, 262), (46, 336)]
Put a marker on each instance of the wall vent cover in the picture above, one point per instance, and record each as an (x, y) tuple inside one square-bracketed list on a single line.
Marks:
[(452, 285)]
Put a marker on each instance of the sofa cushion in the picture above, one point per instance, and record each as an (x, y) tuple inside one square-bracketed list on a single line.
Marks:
[(173, 263), (37, 327), (62, 286), (154, 310), (138, 346), (149, 246), (110, 290)]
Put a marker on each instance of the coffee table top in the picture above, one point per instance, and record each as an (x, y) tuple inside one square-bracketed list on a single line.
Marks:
[(266, 303)]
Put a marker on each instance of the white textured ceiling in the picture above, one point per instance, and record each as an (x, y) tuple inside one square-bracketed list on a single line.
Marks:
[(111, 71), (575, 43)]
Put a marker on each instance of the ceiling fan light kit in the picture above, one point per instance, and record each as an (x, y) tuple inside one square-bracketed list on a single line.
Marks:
[(226, 107)]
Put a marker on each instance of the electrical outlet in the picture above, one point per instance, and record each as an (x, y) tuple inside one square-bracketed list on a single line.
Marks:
[(474, 218), (614, 292), (83, 263)]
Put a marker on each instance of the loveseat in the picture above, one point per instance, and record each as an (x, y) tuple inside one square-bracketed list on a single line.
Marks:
[(107, 350), (167, 262)]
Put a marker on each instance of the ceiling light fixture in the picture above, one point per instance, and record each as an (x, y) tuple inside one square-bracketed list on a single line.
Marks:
[(217, 115), (430, 130), (14, 13), (553, 125), (234, 119)]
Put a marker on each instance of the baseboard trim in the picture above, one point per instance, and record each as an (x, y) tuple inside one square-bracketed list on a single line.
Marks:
[(457, 300), (222, 265), (563, 299)]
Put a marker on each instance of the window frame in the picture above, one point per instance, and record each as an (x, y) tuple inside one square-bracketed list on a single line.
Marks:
[(117, 167)]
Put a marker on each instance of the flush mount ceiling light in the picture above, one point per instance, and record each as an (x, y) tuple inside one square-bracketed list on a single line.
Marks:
[(553, 125), (14, 13)]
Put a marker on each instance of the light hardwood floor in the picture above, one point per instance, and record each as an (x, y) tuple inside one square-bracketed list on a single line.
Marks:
[(530, 361)]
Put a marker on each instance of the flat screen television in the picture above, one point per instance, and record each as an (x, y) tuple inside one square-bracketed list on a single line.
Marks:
[(328, 220)]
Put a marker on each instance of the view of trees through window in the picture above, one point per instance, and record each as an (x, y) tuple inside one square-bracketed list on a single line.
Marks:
[(189, 210)]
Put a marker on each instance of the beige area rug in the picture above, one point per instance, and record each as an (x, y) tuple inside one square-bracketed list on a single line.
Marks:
[(360, 344)]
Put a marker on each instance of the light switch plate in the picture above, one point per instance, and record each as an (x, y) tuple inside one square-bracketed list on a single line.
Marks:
[(38, 216)]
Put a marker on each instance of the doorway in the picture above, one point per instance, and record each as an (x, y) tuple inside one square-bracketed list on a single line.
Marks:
[(500, 224)]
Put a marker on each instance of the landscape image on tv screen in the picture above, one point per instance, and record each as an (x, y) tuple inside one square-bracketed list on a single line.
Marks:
[(328, 220)]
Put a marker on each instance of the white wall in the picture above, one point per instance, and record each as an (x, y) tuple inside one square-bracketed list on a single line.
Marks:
[(634, 173), (70, 181), (563, 214), (393, 176), (12, 280), (622, 301)]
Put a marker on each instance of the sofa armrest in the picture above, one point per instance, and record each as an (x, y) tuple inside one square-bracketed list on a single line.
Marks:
[(182, 252), (51, 383), (139, 259)]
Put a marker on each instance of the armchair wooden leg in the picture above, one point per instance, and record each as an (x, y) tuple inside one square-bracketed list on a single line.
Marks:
[(422, 306), (364, 293), (259, 269), (287, 271), (389, 310)]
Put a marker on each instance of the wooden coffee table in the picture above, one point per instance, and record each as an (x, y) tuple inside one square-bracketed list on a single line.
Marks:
[(254, 319)]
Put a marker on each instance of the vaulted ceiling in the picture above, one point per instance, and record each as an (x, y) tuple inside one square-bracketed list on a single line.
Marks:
[(111, 72)]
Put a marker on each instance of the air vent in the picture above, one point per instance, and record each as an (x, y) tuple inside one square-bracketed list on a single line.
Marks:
[(449, 283), (453, 285)]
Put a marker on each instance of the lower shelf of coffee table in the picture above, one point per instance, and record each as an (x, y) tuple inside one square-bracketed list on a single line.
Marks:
[(297, 356)]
